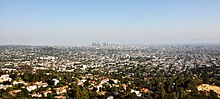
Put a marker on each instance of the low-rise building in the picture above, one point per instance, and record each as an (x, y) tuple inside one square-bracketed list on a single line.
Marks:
[(32, 87), (61, 90), (5, 78)]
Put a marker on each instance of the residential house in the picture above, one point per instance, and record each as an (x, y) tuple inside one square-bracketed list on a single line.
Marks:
[(5, 78)]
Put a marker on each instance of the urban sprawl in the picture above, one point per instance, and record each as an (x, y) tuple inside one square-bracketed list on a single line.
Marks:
[(110, 71)]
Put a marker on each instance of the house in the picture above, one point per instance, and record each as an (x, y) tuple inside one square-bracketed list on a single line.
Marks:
[(136, 92), (36, 95), (207, 87), (98, 87), (91, 88), (124, 86), (46, 92), (41, 84), (101, 93), (5, 86), (55, 81), (110, 97), (60, 97), (115, 81), (144, 90), (14, 92), (19, 82), (80, 82), (61, 90), (5, 78), (104, 81), (32, 87)]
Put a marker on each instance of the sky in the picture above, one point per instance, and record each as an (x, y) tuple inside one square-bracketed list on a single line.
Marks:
[(79, 22)]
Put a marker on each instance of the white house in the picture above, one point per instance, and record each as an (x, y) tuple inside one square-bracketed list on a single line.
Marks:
[(32, 87), (5, 78)]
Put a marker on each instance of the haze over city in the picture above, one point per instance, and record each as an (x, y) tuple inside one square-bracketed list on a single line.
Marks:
[(55, 22), (109, 49)]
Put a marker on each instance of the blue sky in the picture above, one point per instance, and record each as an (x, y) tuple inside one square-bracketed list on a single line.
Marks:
[(75, 22)]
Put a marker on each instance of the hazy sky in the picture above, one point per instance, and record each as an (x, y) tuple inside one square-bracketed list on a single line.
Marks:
[(73, 22)]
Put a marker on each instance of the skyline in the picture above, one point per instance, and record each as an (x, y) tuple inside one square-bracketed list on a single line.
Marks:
[(55, 22)]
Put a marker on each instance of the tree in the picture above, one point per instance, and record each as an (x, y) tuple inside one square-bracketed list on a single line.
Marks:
[(111, 82), (77, 93), (24, 92), (213, 94), (86, 83)]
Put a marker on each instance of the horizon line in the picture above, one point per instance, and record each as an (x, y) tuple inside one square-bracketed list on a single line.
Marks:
[(119, 44)]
